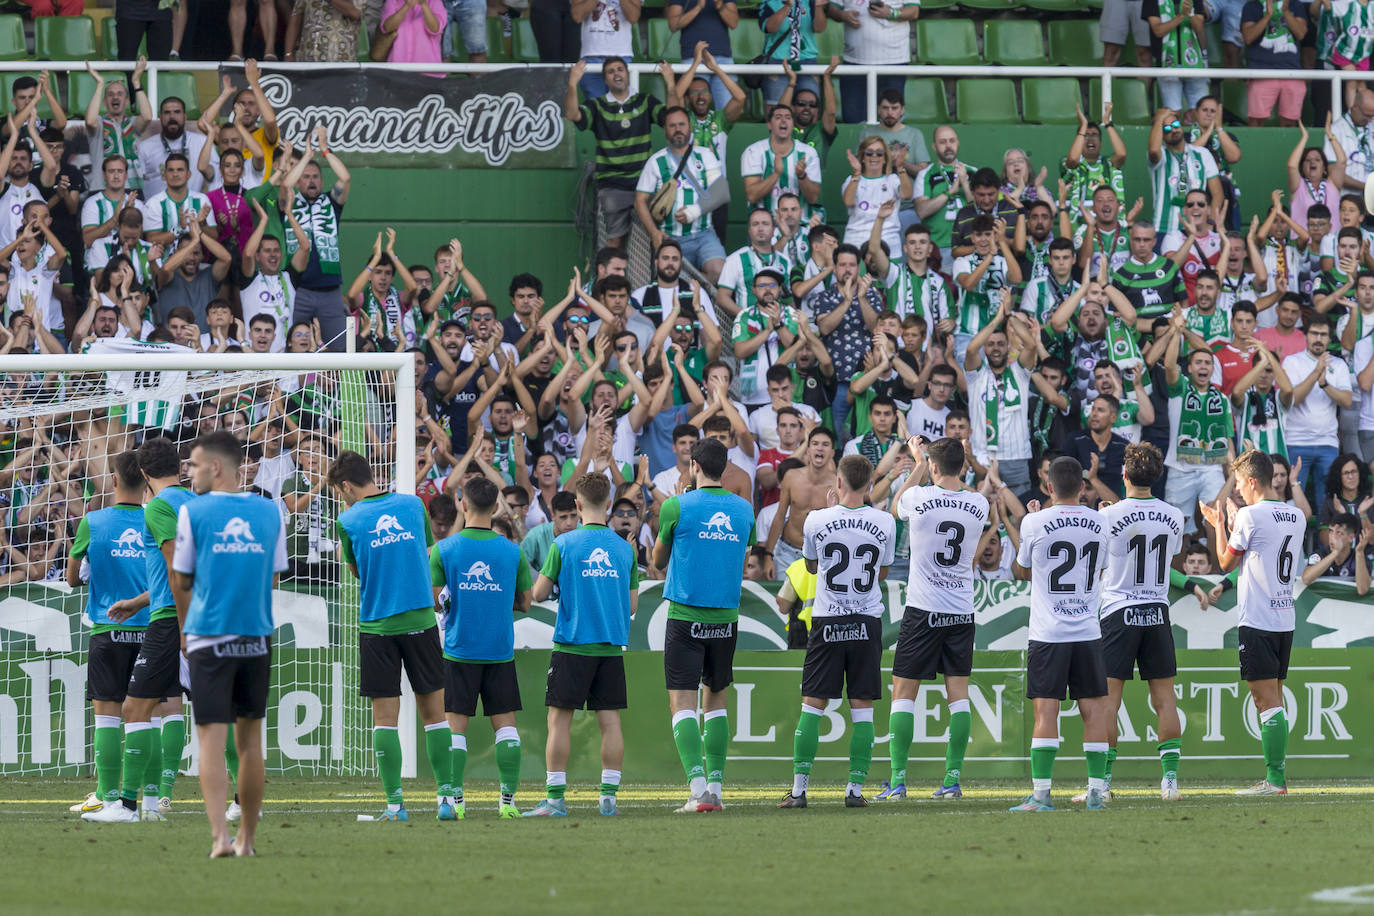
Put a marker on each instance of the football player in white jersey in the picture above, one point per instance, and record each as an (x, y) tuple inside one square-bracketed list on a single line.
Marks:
[(1265, 539), (937, 626), (848, 547), (1143, 535), (1066, 545)]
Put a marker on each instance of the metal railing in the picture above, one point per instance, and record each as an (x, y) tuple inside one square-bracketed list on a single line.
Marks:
[(637, 69)]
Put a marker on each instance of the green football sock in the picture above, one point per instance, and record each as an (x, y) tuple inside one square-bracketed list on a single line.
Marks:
[(687, 737), (458, 763), (1111, 759), (1043, 752), (555, 783), (508, 762), (386, 742), (231, 758), (860, 744), (109, 761), (960, 724), (437, 749), (610, 783), (901, 728), (152, 768), (805, 740), (716, 741), (1169, 752), (138, 742), (173, 743), (1274, 737)]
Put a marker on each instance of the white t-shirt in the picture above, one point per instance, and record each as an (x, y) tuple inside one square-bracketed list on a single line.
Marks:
[(275, 296), (1012, 398), (877, 41), (924, 420), (163, 214), (1314, 421), (871, 194), (1066, 547), (1142, 537), (850, 546), (12, 202), (1364, 352), (622, 450), (666, 481), (606, 32), (39, 282), (763, 423), (1270, 533), (1003, 571), (153, 152), (950, 523), (98, 209)]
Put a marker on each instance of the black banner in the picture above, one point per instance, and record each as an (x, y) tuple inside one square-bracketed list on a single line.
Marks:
[(379, 118)]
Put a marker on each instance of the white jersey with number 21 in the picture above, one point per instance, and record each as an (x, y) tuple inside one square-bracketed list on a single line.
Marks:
[(1066, 547), (1270, 534)]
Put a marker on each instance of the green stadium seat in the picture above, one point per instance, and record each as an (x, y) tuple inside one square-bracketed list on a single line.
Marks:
[(747, 40), (1130, 102), (1234, 100), (1050, 101), (830, 43), (930, 6), (12, 43), (664, 43), (1013, 42), (183, 86), (523, 46), (1075, 43), (950, 42), (1053, 6), (637, 44), (498, 51), (7, 81), (989, 5), (925, 100), (986, 101), (80, 87), (364, 46), (64, 38)]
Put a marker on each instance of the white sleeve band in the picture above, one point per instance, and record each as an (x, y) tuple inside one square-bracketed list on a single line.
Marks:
[(692, 212)]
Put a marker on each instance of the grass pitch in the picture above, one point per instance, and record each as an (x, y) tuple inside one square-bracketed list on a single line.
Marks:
[(1212, 853)]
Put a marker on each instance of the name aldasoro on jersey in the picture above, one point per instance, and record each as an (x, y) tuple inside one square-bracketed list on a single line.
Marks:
[(129, 545), (389, 530), (717, 528), (236, 537), (598, 565)]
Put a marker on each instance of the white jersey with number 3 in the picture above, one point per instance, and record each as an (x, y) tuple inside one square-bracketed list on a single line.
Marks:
[(946, 526), (1143, 535), (849, 546), (1270, 533), (1065, 547)]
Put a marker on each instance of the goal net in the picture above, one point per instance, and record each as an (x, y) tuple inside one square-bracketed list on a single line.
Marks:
[(62, 421)]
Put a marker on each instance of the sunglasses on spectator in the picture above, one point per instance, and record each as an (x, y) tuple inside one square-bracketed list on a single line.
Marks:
[(1196, 203), (626, 347), (796, 104), (626, 513), (1173, 125), (877, 153), (579, 319), (768, 285), (684, 327)]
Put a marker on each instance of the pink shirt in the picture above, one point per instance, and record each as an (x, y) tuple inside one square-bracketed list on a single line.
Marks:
[(415, 44), (1282, 344), (1324, 192)]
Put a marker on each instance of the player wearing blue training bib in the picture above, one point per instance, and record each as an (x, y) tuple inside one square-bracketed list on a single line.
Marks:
[(229, 547), (385, 540), (488, 582), (109, 542), (598, 590), (703, 538)]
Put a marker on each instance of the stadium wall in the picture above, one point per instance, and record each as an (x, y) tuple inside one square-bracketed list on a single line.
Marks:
[(45, 725), (516, 220)]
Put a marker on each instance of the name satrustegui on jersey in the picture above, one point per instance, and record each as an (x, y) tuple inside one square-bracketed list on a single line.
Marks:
[(946, 526), (849, 546), (1066, 547), (1143, 535), (1270, 534)]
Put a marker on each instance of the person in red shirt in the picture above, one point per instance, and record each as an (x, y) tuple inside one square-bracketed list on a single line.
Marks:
[(790, 431), (1234, 359), (1285, 338)]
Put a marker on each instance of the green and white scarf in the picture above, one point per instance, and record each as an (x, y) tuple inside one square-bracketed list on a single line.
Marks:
[(1180, 47), (1002, 386)]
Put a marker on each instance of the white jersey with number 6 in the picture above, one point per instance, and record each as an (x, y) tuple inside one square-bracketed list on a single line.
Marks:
[(1142, 537), (946, 526), (1065, 547), (1270, 534), (849, 546)]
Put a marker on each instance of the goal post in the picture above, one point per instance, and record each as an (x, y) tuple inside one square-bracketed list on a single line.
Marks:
[(64, 417)]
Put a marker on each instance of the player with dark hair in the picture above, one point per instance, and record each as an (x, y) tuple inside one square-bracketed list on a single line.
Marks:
[(708, 528)]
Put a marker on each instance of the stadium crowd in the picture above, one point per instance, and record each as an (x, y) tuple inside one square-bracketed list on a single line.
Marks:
[(1029, 310)]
